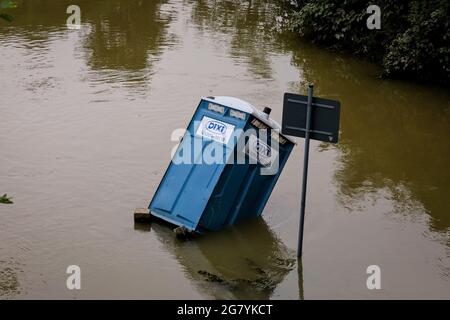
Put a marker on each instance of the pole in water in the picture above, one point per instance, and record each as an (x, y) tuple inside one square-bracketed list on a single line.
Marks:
[(305, 171)]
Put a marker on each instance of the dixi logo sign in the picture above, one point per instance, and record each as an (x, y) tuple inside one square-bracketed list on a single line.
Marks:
[(215, 127), (262, 148)]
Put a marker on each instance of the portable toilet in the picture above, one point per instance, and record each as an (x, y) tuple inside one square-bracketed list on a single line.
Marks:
[(224, 168)]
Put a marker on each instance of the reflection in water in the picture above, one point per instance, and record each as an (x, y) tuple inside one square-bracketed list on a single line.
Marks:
[(243, 262), (125, 39), (124, 33), (301, 291), (250, 24), (121, 39), (394, 136), (36, 19)]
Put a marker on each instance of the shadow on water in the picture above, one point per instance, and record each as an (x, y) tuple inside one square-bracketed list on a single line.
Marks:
[(246, 261)]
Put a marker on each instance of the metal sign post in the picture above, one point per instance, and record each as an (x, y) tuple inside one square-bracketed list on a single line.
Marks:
[(312, 118), (305, 171)]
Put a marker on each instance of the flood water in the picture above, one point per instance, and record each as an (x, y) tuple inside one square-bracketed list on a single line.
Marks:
[(86, 118)]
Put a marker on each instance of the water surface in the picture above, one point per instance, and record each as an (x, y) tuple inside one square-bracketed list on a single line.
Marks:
[(86, 119)]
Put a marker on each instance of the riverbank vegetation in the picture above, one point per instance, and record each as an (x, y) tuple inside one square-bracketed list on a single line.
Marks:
[(413, 41), (6, 4)]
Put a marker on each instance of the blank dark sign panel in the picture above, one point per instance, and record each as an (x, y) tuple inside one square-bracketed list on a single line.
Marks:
[(324, 117)]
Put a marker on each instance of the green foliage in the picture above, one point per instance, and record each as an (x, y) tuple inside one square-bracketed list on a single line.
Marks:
[(7, 4), (423, 49), (414, 39), (5, 199), (6, 17)]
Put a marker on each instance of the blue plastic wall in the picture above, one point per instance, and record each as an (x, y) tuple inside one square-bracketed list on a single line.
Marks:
[(204, 196)]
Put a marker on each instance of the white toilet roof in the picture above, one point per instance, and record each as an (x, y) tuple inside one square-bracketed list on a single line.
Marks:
[(244, 106)]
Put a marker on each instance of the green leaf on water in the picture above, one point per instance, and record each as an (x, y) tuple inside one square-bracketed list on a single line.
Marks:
[(5, 199)]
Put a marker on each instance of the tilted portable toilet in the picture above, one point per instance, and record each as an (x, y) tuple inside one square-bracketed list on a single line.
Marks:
[(224, 168)]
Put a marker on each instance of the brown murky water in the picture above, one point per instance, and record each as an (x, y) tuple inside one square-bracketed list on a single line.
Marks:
[(85, 123)]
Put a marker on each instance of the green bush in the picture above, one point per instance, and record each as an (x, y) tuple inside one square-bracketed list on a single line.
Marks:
[(414, 39), (6, 4)]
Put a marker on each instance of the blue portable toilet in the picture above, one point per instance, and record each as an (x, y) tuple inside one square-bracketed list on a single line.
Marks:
[(224, 168)]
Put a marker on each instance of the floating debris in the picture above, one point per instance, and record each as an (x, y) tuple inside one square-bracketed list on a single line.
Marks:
[(5, 199)]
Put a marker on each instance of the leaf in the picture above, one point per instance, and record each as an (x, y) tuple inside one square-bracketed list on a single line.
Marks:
[(5, 199), (7, 4), (6, 17)]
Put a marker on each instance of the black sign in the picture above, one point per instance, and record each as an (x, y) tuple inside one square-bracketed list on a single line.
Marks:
[(324, 117)]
